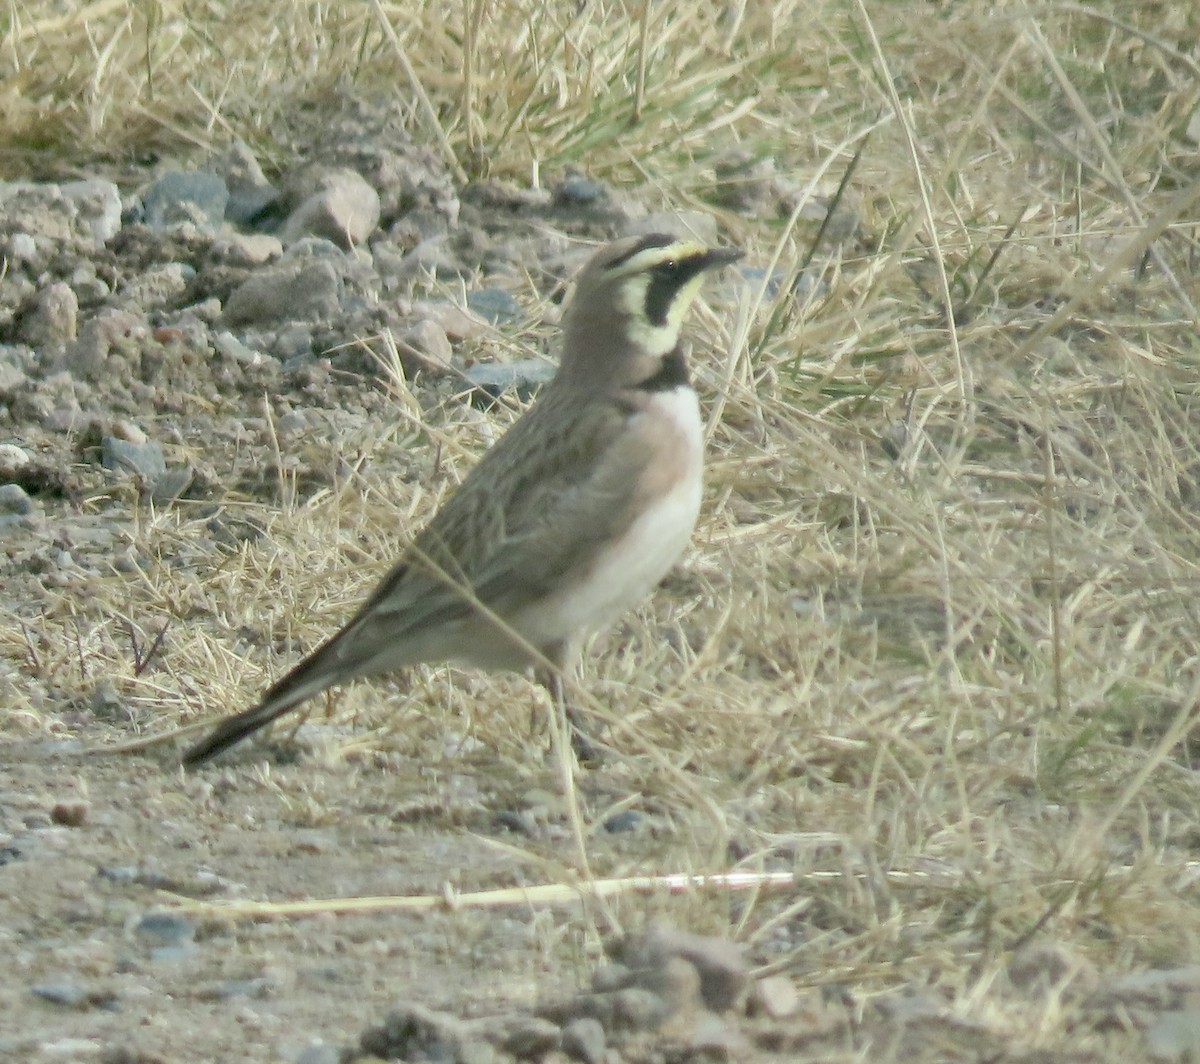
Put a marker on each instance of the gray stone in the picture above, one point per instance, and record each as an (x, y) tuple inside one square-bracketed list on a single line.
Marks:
[(319, 1053), (583, 1040), (522, 377), (14, 500), (777, 997), (431, 257), (1175, 1036), (300, 290), (456, 323), (144, 460), (182, 197), (231, 347), (14, 360), (724, 974), (165, 929), (158, 286), (343, 209), (494, 305), (250, 193), (533, 1038), (172, 484), (51, 322), (98, 205), (428, 341), (12, 459), (415, 1032), (39, 211), (20, 247), (68, 995), (575, 190), (98, 337), (246, 249)]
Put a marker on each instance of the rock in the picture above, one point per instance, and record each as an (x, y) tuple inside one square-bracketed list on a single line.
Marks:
[(165, 929), (68, 995), (747, 184), (428, 342), (299, 290), (13, 500), (1175, 1036), (638, 1009), (494, 305), (319, 1053), (756, 277), (293, 341), (182, 197), (370, 137), (107, 703), (575, 190), (455, 322), (246, 249), (50, 323), (583, 1039), (776, 996), (609, 977), (97, 205), (159, 286), (232, 348), (172, 484), (432, 257), (342, 208), (415, 1032), (83, 213), (532, 1038), (724, 975), (676, 982), (97, 339), (144, 460), (712, 1040), (14, 362), (251, 195), (69, 814), (12, 460), (524, 377), (20, 248), (625, 821)]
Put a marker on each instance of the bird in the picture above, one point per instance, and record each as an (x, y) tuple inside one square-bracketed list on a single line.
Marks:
[(566, 523)]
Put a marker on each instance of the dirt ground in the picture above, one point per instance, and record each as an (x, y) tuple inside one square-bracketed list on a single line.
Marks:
[(930, 658)]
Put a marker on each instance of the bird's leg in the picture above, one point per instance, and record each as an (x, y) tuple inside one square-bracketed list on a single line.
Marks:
[(555, 681)]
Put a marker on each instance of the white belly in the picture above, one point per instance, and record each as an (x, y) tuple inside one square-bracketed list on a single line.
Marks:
[(626, 571)]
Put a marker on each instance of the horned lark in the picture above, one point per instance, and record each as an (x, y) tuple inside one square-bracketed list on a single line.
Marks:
[(567, 522)]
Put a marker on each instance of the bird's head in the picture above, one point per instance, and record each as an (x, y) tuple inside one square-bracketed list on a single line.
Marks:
[(630, 302)]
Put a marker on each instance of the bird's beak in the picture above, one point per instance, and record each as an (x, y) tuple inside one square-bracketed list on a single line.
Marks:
[(715, 258)]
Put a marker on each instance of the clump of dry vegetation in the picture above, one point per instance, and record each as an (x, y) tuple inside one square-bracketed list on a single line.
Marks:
[(935, 646)]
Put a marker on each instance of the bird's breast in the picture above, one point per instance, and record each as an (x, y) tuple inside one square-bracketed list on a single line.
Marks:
[(666, 435)]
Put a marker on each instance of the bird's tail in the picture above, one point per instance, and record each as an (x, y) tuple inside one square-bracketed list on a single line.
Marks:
[(236, 728), (319, 670)]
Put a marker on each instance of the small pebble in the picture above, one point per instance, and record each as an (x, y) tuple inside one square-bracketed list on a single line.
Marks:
[(144, 460), (181, 197), (14, 500), (523, 377), (494, 305), (72, 814), (68, 995), (165, 929), (583, 1040)]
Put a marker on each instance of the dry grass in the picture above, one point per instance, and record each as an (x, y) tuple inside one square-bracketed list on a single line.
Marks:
[(938, 632)]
